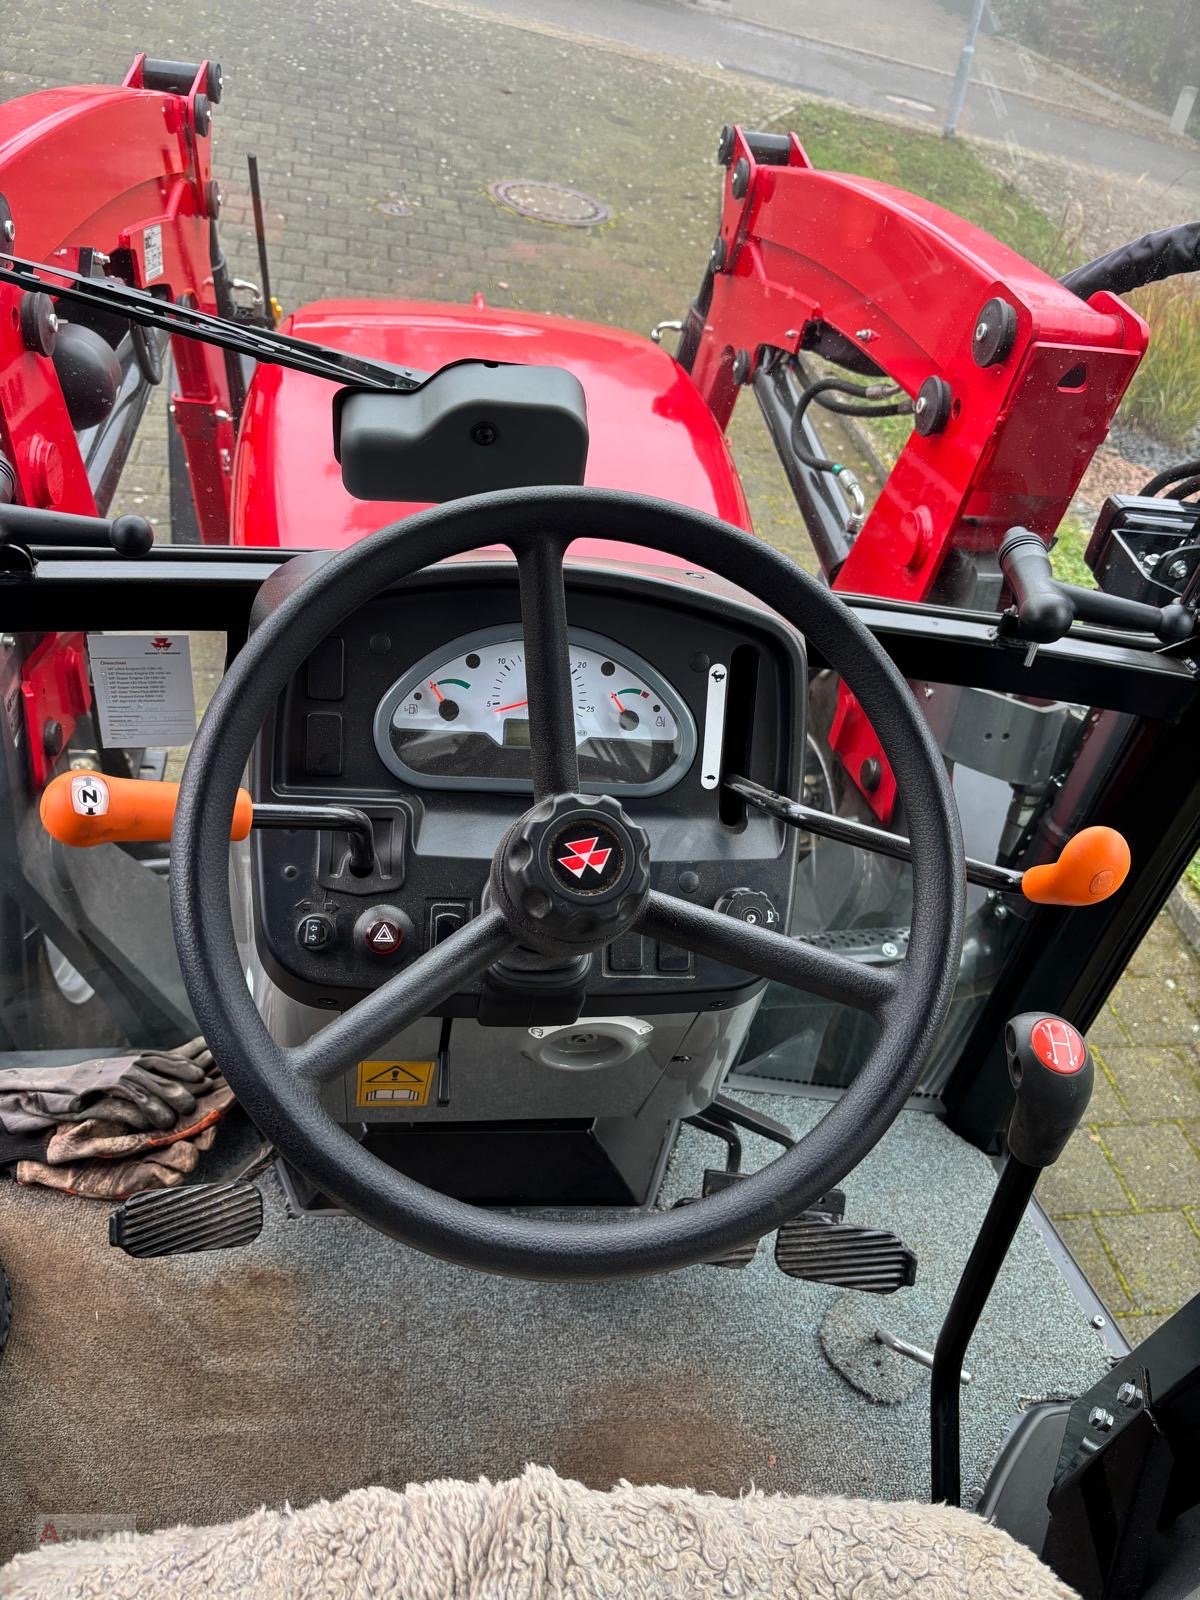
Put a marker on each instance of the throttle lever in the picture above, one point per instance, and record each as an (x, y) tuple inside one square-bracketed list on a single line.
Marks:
[(1092, 865)]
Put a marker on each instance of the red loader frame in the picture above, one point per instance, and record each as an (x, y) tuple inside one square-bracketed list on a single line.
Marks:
[(906, 285), (922, 295), (144, 212), (146, 207)]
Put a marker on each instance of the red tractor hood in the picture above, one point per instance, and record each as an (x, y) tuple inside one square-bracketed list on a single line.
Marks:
[(650, 431)]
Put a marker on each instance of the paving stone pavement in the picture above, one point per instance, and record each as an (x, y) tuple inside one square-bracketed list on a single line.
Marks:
[(417, 107), (1126, 1194)]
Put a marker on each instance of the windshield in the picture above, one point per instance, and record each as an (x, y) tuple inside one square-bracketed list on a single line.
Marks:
[(904, 289), (533, 228)]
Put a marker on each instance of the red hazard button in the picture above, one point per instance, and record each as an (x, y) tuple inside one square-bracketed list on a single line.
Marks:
[(384, 932), (384, 938), (1057, 1045)]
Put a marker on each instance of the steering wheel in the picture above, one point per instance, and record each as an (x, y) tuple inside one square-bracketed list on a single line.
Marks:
[(534, 904)]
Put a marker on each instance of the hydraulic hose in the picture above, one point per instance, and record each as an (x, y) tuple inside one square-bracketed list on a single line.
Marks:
[(1170, 475), (1165, 254), (825, 392)]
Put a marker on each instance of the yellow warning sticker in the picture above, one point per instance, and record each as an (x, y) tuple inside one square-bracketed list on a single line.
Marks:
[(382, 1084)]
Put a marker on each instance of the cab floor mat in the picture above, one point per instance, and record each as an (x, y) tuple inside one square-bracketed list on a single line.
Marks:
[(325, 1357)]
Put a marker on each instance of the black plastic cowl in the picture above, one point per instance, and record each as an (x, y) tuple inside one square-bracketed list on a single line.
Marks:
[(472, 427)]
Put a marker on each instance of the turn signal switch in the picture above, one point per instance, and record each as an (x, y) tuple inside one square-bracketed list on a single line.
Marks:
[(1050, 1069)]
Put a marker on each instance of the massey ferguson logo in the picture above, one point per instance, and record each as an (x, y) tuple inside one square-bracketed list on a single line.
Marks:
[(582, 854), (161, 643)]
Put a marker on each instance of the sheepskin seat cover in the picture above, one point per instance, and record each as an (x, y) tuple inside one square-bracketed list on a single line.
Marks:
[(540, 1536)]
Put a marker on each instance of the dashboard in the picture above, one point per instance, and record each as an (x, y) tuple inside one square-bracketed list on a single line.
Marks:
[(460, 719), (416, 711)]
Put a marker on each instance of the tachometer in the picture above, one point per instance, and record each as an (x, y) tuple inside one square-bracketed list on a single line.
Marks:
[(460, 718)]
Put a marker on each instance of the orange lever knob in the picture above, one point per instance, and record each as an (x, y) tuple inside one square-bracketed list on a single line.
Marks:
[(1093, 865), (86, 808)]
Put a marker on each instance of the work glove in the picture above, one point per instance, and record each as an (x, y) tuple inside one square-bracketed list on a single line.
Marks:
[(150, 1089), (108, 1161), (115, 1180)]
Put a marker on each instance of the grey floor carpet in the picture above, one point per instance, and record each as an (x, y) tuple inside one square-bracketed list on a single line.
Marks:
[(325, 1357)]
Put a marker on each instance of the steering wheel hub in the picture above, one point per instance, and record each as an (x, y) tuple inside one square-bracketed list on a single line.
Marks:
[(572, 874)]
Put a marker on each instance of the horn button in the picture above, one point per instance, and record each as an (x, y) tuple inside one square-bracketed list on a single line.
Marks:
[(573, 874)]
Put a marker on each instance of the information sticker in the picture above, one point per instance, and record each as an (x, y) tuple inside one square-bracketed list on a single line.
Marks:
[(143, 685), (152, 247), (393, 1083)]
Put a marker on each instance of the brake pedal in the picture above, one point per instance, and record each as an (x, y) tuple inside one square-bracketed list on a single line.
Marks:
[(176, 1222), (820, 1248)]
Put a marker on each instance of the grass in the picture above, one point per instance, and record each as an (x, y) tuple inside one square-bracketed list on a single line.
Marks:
[(1066, 553), (946, 171), (1164, 397)]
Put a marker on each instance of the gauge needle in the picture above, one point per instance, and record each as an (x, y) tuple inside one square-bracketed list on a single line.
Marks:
[(436, 691), (617, 703), (515, 706)]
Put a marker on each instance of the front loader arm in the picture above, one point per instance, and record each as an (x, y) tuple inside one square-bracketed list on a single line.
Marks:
[(113, 180), (905, 283), (1014, 379)]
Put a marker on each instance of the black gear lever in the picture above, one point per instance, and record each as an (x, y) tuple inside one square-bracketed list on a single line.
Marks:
[(1051, 1071)]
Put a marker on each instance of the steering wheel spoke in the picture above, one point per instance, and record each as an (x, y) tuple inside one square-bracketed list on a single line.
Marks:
[(767, 954), (555, 764), (407, 995)]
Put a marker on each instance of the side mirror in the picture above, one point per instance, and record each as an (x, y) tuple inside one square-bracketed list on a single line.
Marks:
[(473, 427)]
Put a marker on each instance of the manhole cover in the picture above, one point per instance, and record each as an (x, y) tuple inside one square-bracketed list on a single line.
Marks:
[(550, 202)]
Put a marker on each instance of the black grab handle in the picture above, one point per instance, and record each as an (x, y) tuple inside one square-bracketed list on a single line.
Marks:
[(1044, 611), (1046, 608), (28, 525)]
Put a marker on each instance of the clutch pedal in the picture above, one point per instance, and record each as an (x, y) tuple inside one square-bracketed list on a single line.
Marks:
[(714, 1181), (176, 1222), (820, 1248)]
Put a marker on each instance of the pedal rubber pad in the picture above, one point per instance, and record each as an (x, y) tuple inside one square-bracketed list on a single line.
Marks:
[(819, 1250), (177, 1222)]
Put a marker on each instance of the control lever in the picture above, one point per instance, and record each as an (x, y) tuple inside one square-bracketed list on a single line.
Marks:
[(88, 808), (1046, 608), (1051, 1070), (26, 525), (1092, 866)]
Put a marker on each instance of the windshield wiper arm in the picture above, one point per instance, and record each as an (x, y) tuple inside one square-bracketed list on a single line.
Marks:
[(260, 344)]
